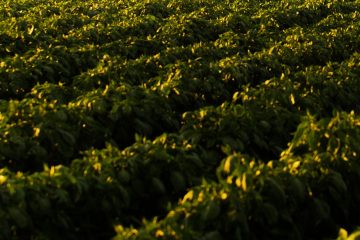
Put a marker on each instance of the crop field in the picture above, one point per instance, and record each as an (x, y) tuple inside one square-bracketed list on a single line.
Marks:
[(179, 119)]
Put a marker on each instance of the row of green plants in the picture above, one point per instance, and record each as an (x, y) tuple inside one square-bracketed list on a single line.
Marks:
[(311, 192), (245, 45), (38, 129), (137, 179)]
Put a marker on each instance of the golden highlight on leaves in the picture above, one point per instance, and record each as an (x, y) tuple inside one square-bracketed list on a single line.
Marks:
[(36, 132), (159, 233), (292, 99), (188, 196), (2, 179), (223, 195)]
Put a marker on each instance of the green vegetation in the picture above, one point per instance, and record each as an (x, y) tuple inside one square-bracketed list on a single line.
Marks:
[(179, 119)]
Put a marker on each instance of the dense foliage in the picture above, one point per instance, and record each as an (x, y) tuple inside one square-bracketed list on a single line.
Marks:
[(179, 119)]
